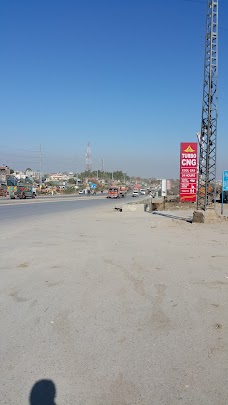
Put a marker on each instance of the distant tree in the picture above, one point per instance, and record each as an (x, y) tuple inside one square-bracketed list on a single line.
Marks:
[(11, 171), (175, 186), (28, 169), (71, 181), (118, 175)]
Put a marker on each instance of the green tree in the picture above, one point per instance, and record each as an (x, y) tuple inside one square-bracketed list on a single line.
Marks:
[(71, 181), (118, 175), (50, 183)]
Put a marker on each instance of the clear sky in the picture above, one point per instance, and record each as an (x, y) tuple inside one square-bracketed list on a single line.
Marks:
[(126, 75)]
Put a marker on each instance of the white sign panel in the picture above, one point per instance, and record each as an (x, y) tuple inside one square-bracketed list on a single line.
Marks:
[(164, 188)]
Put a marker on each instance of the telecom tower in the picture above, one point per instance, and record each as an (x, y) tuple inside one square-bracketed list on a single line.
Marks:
[(102, 164), (88, 158), (207, 138)]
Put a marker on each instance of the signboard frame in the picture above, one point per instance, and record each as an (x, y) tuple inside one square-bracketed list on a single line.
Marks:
[(188, 171), (168, 185)]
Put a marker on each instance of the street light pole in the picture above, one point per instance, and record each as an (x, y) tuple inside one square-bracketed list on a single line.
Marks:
[(41, 166)]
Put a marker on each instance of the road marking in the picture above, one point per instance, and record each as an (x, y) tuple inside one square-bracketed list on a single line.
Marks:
[(9, 203)]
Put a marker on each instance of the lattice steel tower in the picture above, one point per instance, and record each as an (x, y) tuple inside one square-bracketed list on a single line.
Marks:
[(88, 158), (207, 139)]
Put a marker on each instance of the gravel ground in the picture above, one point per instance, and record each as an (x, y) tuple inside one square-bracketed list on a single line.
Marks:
[(115, 308)]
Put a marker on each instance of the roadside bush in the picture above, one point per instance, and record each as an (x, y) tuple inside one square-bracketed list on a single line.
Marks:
[(69, 190)]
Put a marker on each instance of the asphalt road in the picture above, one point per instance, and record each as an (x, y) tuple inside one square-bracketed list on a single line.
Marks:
[(12, 210)]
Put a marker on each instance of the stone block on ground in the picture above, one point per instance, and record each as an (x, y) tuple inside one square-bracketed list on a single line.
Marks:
[(205, 217), (129, 207), (157, 206)]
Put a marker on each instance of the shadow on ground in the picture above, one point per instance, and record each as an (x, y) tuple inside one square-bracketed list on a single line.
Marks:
[(43, 392), (163, 214)]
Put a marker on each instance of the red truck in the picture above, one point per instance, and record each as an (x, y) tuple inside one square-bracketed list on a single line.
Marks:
[(117, 192)]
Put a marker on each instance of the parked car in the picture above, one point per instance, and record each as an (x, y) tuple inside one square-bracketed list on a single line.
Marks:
[(225, 197)]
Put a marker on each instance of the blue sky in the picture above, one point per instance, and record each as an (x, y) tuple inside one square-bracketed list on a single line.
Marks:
[(126, 75)]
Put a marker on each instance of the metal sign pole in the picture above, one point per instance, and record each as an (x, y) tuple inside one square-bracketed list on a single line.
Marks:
[(222, 202)]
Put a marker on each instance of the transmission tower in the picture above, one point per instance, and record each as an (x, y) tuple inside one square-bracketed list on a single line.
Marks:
[(102, 164), (88, 158), (207, 138)]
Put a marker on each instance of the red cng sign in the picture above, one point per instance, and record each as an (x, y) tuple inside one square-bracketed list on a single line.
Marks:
[(188, 172)]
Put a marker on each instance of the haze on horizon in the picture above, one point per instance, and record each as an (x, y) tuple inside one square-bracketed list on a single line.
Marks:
[(125, 75)]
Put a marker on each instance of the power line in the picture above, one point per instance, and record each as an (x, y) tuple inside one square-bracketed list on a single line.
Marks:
[(20, 149), (6, 155)]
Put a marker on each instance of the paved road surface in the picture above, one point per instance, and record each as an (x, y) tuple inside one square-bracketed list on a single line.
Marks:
[(14, 210)]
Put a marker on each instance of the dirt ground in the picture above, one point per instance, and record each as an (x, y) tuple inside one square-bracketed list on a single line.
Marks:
[(116, 308)]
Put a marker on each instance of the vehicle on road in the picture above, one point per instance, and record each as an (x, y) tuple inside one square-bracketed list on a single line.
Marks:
[(3, 190), (123, 191), (11, 183), (143, 191), (116, 192), (20, 189), (225, 197), (135, 193), (25, 191)]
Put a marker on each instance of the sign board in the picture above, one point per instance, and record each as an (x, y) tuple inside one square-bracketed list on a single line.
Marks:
[(168, 185), (225, 180), (93, 186), (164, 188), (224, 187), (188, 171)]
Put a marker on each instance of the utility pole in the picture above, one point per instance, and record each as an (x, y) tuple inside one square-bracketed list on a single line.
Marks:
[(76, 158), (206, 197), (88, 158), (41, 166), (102, 164), (76, 176)]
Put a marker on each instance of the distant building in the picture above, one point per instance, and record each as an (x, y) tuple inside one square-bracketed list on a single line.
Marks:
[(33, 174), (19, 175), (4, 171), (58, 177), (55, 177), (29, 173)]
